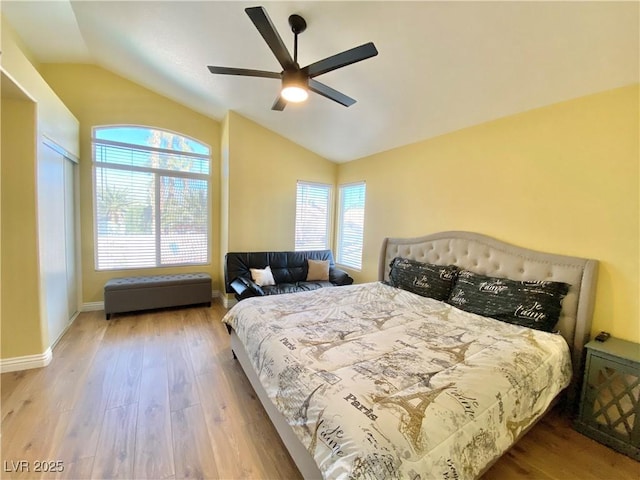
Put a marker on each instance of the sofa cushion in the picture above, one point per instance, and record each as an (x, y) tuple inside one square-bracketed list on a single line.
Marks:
[(294, 287)]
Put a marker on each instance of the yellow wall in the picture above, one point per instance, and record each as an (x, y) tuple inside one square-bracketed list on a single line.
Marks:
[(224, 194), (563, 179), (263, 170), (23, 333), (24, 323), (54, 118), (99, 97)]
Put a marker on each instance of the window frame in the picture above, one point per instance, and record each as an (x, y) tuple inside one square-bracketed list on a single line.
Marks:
[(340, 260), (328, 231), (158, 174)]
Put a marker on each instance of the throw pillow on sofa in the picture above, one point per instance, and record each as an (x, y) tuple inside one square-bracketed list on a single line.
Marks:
[(318, 270), (262, 276)]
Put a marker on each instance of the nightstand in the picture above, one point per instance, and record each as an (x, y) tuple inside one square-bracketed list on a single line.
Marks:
[(610, 401)]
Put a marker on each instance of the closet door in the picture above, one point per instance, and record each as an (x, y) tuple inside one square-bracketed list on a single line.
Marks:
[(56, 235), (70, 235)]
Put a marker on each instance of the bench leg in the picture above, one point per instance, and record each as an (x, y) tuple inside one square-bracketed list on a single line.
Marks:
[(108, 315)]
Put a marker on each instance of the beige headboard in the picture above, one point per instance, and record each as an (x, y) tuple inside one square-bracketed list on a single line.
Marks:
[(489, 256)]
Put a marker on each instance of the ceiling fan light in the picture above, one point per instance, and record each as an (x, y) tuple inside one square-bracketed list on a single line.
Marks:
[(294, 94), (295, 86)]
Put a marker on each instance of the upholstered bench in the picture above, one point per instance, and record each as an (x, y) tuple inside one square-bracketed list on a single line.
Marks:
[(130, 294)]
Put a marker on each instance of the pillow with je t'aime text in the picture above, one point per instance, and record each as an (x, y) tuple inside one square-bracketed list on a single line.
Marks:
[(425, 279), (533, 304)]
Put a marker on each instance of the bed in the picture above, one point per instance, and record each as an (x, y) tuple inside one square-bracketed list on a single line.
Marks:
[(374, 381)]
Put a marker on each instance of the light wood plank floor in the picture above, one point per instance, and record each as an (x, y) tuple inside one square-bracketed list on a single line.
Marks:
[(158, 396)]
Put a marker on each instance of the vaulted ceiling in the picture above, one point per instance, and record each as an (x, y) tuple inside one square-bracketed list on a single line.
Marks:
[(442, 66)]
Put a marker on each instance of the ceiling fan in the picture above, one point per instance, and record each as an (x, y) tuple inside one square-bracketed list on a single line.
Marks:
[(296, 81)]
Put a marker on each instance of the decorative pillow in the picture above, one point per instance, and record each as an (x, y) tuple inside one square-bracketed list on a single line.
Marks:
[(262, 276), (535, 304), (428, 280), (318, 270)]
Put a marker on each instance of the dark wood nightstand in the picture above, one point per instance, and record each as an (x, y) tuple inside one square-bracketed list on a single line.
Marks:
[(610, 401)]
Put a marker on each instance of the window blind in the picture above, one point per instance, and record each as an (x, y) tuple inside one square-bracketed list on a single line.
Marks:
[(312, 216), (351, 225), (151, 203)]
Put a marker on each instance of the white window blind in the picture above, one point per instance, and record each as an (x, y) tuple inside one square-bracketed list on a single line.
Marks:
[(151, 198), (312, 216), (351, 225)]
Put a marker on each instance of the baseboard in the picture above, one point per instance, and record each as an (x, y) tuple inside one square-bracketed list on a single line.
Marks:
[(71, 320), (92, 306), (228, 302), (34, 361), (26, 362)]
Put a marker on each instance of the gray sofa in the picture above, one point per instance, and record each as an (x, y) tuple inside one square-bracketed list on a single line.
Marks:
[(289, 272)]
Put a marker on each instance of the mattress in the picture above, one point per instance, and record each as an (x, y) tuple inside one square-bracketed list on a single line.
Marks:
[(377, 382)]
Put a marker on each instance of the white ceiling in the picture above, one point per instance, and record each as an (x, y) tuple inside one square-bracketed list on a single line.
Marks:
[(442, 66)]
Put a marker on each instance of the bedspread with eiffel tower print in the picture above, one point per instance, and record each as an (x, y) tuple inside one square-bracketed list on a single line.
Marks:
[(378, 382)]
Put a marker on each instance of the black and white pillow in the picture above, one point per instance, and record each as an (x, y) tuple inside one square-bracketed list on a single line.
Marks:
[(535, 304), (428, 280)]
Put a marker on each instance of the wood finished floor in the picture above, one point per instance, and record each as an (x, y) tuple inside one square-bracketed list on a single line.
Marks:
[(158, 396)]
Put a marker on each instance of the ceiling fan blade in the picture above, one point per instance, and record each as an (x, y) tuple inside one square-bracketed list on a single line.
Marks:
[(279, 104), (261, 20), (243, 71), (339, 60), (330, 93)]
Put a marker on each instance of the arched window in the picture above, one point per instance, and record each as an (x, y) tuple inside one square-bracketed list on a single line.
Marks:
[(151, 198)]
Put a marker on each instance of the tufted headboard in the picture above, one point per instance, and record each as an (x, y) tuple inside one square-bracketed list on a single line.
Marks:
[(489, 256)]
